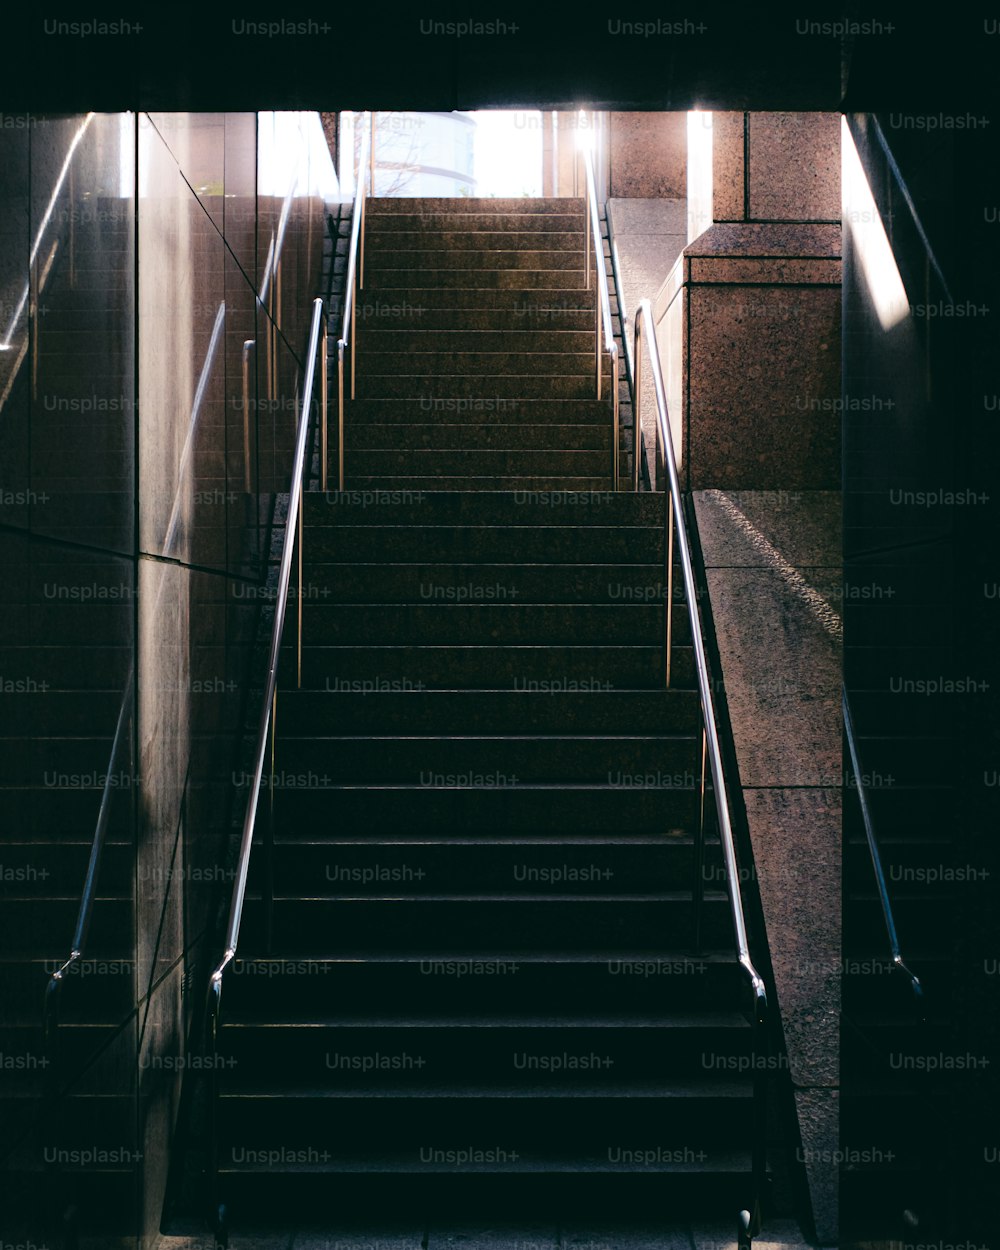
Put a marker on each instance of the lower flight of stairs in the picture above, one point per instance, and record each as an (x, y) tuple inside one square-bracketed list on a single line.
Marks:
[(481, 987)]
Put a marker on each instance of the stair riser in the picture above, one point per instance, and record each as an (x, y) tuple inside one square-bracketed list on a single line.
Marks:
[(44, 932), (511, 340), (505, 624), (586, 1128), (49, 870), (439, 393), (438, 260), (520, 668), (492, 508), (516, 544), (434, 465), (507, 208), (485, 1196), (425, 360), (35, 813), (550, 440), (432, 986), (305, 927), (93, 992), (541, 482), (428, 869), (305, 713), (657, 763), (482, 222), (430, 585), (482, 244), (408, 280), (416, 300), (387, 1058), (543, 316)]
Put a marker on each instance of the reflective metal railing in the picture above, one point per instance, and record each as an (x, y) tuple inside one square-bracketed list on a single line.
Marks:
[(355, 281), (264, 742), (888, 919), (604, 335), (711, 751)]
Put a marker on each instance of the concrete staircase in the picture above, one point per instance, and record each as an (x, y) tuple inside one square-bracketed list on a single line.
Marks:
[(476, 351), (477, 986)]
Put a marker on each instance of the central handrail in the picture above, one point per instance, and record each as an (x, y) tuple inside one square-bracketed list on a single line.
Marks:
[(895, 953), (281, 603), (355, 281), (604, 329), (710, 747)]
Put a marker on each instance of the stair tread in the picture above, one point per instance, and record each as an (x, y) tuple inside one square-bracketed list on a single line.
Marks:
[(687, 1089), (666, 1019), (717, 1162)]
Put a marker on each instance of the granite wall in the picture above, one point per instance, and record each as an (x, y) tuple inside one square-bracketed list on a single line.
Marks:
[(750, 315)]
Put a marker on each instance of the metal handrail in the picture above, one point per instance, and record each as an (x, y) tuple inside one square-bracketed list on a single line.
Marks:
[(50, 1016), (265, 722), (355, 281), (710, 746), (898, 963), (593, 232), (50, 1011), (639, 456)]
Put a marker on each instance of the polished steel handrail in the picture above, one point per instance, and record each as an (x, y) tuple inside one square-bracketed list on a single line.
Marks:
[(266, 715), (50, 1016), (898, 963), (593, 249), (355, 281), (710, 745)]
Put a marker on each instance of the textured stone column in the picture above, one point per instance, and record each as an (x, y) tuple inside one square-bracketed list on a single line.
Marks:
[(750, 315)]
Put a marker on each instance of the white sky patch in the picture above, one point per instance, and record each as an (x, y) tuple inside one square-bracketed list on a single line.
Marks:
[(508, 152)]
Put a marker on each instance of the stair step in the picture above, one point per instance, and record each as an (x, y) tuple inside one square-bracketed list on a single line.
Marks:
[(444, 667), (376, 315), (477, 365), (491, 509), (443, 438), (407, 283), (394, 543), (389, 1057), (431, 220), (654, 763), (414, 867), (498, 392), (425, 981), (433, 464), (460, 236), (388, 257), (502, 623), (508, 207), (461, 809), (513, 340), (524, 584), (414, 300), (546, 709), (544, 482)]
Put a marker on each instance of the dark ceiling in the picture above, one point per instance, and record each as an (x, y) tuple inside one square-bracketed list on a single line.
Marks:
[(758, 56)]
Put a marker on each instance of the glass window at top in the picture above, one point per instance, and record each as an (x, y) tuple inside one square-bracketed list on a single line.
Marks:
[(486, 153)]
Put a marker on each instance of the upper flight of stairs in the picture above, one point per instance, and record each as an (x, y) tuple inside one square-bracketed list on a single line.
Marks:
[(476, 349)]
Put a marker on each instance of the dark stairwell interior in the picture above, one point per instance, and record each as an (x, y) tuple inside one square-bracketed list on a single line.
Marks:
[(480, 970)]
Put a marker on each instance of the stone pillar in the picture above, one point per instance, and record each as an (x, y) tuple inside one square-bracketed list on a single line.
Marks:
[(749, 317), (648, 155)]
